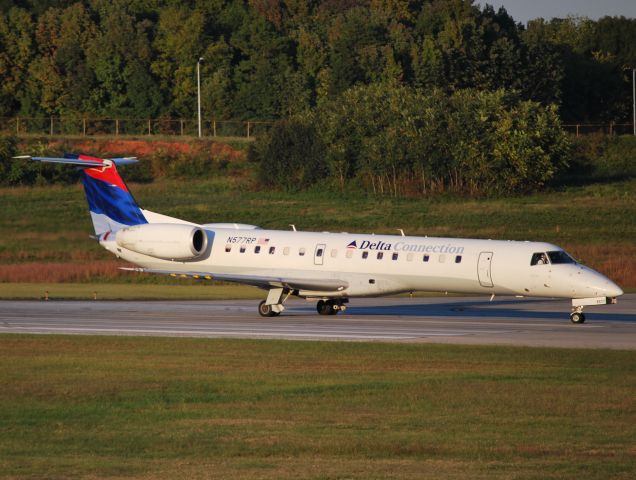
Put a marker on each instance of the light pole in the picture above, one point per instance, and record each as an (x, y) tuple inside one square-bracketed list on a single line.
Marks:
[(199, 92), (634, 98)]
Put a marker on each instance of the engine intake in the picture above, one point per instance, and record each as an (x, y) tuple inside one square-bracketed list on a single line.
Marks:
[(168, 241)]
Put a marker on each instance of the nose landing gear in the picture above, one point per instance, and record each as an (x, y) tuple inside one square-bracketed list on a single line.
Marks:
[(577, 315)]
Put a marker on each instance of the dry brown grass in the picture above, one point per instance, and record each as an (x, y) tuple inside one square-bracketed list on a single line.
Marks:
[(56, 272), (617, 261), (144, 148)]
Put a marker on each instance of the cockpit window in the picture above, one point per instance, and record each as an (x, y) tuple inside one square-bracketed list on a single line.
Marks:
[(560, 257), (539, 258)]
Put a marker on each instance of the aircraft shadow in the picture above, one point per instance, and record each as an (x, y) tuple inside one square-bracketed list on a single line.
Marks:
[(479, 309)]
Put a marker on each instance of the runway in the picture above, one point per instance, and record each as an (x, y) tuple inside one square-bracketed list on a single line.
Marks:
[(465, 320)]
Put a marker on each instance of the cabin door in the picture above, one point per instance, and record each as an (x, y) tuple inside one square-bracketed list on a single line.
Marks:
[(319, 254), (483, 269)]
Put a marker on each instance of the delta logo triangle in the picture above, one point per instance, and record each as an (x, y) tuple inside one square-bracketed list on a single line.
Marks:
[(353, 245)]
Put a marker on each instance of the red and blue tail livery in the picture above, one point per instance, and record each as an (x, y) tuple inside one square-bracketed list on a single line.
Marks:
[(111, 204)]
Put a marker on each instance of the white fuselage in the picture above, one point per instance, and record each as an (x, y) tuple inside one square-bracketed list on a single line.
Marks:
[(373, 265)]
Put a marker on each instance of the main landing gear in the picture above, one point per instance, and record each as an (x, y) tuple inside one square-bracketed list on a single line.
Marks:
[(273, 305), (267, 310), (276, 297), (331, 307)]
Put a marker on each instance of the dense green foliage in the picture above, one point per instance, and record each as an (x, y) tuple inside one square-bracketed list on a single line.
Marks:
[(400, 97), (21, 172), (602, 158), (292, 156), (394, 139), (268, 59)]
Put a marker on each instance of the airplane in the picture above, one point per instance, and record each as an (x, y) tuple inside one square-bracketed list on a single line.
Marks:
[(329, 268)]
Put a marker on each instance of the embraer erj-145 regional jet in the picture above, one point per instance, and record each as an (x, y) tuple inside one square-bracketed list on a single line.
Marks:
[(327, 267)]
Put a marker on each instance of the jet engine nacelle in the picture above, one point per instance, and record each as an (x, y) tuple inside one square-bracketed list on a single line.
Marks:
[(168, 241)]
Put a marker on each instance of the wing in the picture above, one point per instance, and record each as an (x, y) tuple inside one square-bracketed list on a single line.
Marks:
[(261, 281)]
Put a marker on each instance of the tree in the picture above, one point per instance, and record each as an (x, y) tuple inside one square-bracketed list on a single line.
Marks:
[(16, 53), (61, 67), (179, 44), (357, 52), (120, 55), (292, 155), (261, 74)]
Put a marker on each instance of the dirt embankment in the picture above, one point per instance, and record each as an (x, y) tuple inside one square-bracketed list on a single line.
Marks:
[(142, 148)]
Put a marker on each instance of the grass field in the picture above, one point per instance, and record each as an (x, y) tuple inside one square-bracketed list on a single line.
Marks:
[(106, 407), (44, 230), (128, 291)]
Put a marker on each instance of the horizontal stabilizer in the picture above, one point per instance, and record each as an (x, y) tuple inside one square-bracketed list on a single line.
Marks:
[(261, 281), (81, 160)]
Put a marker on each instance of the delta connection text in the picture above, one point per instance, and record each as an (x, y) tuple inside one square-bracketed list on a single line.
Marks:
[(406, 247)]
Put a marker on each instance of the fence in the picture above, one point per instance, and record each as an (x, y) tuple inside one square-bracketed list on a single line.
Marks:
[(87, 126), (607, 128)]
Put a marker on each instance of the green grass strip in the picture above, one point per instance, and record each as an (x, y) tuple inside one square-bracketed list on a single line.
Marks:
[(97, 407), (127, 291)]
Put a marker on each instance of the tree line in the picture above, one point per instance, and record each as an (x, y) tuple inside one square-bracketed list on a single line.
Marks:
[(270, 59), (399, 97)]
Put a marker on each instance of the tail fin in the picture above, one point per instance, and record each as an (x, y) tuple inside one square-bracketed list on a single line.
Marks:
[(110, 202)]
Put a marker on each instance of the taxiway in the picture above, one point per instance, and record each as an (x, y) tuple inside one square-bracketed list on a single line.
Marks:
[(466, 320)]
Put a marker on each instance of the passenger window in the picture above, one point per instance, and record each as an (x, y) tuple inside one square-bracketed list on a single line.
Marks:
[(349, 253), (257, 249), (242, 249), (539, 258), (442, 258), (395, 256), (334, 253), (272, 250), (319, 252), (380, 255), (458, 259), (365, 254), (426, 258), (301, 252), (409, 257), (228, 248), (286, 251)]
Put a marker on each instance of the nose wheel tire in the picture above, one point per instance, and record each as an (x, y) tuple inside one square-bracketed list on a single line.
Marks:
[(266, 310), (576, 317)]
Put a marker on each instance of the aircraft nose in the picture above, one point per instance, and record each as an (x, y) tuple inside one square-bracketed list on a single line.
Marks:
[(613, 290), (604, 286)]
